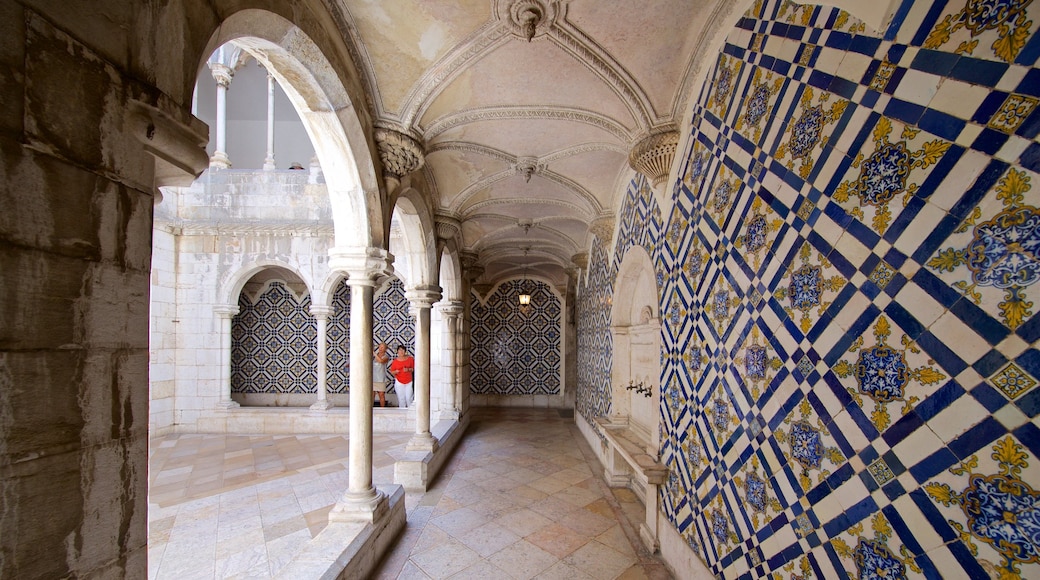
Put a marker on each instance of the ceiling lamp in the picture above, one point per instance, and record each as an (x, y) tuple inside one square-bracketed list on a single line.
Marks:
[(524, 297)]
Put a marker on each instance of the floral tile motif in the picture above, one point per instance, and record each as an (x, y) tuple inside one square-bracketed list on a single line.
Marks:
[(885, 375), (810, 290), (755, 491), (846, 22), (693, 454), (873, 557), (696, 259), (882, 76), (1002, 24), (793, 13), (997, 263), (886, 173), (673, 395), (759, 367), (806, 446), (720, 306), (1012, 381), (880, 472), (802, 525), (725, 78), (1001, 510), (697, 167), (758, 101), (805, 209), (806, 135), (718, 520), (723, 195), (759, 227), (677, 226), (723, 420), (805, 570), (1013, 112), (694, 358), (882, 274)]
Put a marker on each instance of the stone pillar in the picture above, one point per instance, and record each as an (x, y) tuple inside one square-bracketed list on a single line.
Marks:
[(421, 299), (223, 75), (226, 313), (269, 160), (321, 316), (365, 267), (452, 312)]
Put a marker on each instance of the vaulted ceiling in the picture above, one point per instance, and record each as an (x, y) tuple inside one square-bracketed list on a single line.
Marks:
[(527, 110)]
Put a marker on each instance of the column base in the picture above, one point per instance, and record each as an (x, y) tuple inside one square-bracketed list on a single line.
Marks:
[(425, 442), (220, 160), (368, 507), (321, 405), (228, 404), (649, 538), (269, 164)]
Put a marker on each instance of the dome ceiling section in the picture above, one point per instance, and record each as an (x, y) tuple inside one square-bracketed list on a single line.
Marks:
[(592, 166), (528, 131), (632, 31), (456, 166), (536, 74), (400, 41)]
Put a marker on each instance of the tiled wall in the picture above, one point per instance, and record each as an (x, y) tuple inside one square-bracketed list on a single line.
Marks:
[(848, 278), (515, 351), (274, 344)]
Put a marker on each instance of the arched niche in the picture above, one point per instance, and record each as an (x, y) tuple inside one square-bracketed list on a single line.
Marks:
[(636, 333)]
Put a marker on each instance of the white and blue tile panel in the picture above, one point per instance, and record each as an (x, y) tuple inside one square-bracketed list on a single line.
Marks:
[(274, 344), (391, 324), (274, 341), (849, 277), (516, 350)]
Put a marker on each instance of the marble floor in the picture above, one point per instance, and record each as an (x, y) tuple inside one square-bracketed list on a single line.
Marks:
[(520, 498)]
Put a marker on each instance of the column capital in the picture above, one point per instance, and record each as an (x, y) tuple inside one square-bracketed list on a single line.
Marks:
[(448, 225), (365, 266), (226, 310), (451, 308), (321, 311), (653, 155), (222, 73), (423, 296)]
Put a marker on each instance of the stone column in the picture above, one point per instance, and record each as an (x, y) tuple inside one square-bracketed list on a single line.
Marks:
[(269, 161), (421, 299), (452, 312), (365, 267), (223, 75), (226, 313), (321, 315)]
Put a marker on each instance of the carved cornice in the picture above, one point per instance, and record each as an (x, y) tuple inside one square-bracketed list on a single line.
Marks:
[(653, 156), (582, 148), (581, 260), (448, 225), (399, 153), (584, 212), (467, 147), (603, 228), (208, 228), (514, 113), (422, 296)]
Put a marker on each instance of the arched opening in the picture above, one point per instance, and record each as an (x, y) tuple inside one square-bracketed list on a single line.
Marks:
[(636, 332)]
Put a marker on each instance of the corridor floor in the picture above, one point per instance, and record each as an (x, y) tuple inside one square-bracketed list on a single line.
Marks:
[(522, 497)]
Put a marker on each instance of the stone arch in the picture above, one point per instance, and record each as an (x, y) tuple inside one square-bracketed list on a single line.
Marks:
[(418, 250), (636, 333), (327, 111), (450, 271), (235, 281)]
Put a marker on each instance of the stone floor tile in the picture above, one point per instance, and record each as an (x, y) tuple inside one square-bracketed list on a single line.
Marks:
[(523, 560)]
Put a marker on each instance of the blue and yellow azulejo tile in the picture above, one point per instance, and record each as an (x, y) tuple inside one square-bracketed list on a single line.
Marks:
[(758, 103), (890, 175), (993, 258), (807, 445), (810, 288), (870, 548), (888, 374), (809, 129), (1003, 27)]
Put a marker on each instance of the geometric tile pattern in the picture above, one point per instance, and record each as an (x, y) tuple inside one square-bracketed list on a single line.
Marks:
[(515, 350), (274, 344), (849, 274), (391, 323)]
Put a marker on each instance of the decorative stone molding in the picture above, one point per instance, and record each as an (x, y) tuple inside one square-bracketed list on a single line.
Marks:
[(423, 296), (448, 226), (653, 156), (527, 166), (368, 266), (226, 310), (451, 308), (505, 112), (603, 228), (179, 148), (222, 73), (580, 260), (399, 153), (320, 311), (528, 19)]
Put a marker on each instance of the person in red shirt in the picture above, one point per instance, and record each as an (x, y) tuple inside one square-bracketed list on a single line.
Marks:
[(402, 368)]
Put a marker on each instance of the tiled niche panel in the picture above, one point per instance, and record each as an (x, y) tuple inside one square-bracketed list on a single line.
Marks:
[(515, 350), (274, 344), (849, 273)]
